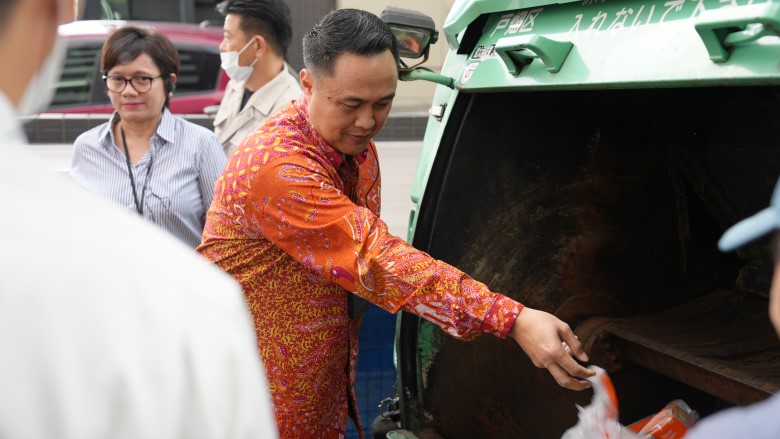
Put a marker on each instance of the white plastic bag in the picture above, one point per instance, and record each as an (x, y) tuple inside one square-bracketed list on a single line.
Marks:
[(599, 419)]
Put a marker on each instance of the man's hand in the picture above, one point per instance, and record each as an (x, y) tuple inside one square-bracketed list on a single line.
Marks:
[(550, 344)]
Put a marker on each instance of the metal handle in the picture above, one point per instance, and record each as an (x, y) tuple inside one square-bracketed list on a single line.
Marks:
[(723, 29), (425, 75), (517, 52)]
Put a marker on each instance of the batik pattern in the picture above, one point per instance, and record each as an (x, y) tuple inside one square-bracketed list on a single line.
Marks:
[(282, 224)]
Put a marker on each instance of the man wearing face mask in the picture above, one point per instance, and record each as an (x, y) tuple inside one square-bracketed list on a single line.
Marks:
[(257, 35), (109, 328)]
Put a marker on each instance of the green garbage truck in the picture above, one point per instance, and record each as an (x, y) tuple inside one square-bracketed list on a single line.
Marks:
[(583, 157)]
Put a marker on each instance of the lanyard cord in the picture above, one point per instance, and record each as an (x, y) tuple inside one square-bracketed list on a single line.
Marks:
[(139, 205), (378, 172), (352, 177)]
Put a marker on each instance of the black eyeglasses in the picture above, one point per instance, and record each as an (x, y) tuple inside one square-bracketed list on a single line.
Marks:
[(141, 84)]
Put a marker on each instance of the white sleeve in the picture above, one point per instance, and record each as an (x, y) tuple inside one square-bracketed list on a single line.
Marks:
[(111, 328), (98, 343), (80, 366)]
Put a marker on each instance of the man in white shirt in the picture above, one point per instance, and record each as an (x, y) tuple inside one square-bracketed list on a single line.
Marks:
[(257, 35), (109, 328)]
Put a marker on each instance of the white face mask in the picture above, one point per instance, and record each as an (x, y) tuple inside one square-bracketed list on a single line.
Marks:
[(231, 67), (41, 88)]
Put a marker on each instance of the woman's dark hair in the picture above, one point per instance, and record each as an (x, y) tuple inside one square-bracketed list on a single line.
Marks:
[(346, 31), (129, 42), (268, 18)]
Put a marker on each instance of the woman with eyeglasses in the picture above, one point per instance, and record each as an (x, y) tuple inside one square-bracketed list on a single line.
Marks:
[(145, 159)]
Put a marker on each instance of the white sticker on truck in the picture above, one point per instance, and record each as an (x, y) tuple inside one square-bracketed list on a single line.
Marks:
[(468, 72)]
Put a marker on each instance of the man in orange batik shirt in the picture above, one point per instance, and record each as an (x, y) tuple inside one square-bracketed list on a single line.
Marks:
[(295, 219)]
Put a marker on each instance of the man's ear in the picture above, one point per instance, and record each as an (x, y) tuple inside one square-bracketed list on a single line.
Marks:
[(262, 46), (307, 82)]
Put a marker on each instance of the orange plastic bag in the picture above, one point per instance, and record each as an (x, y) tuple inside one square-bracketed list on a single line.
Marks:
[(670, 423), (599, 419)]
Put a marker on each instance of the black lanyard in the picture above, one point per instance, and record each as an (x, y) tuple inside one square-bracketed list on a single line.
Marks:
[(139, 205), (351, 176)]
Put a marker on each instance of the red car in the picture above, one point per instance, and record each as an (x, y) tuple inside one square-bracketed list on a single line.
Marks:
[(201, 81)]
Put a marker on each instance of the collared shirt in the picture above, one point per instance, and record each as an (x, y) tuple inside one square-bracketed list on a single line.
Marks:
[(759, 420), (234, 121), (179, 173), (283, 225), (109, 327)]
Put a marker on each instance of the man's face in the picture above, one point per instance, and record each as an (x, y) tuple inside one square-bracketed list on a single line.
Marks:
[(234, 39), (30, 38), (350, 106)]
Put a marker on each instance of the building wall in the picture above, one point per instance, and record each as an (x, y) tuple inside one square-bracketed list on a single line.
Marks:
[(304, 14)]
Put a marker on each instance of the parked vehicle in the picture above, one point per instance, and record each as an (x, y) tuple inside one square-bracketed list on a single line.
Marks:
[(179, 11), (201, 82), (584, 157)]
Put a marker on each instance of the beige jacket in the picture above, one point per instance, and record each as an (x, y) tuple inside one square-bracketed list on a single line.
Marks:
[(232, 126)]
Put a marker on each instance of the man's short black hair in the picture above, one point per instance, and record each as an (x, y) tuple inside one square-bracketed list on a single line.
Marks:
[(5, 11), (267, 18), (346, 31)]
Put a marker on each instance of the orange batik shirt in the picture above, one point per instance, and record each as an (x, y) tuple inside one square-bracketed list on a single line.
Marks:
[(284, 225)]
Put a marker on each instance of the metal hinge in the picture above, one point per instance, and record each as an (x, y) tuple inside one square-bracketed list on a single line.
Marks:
[(437, 111)]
